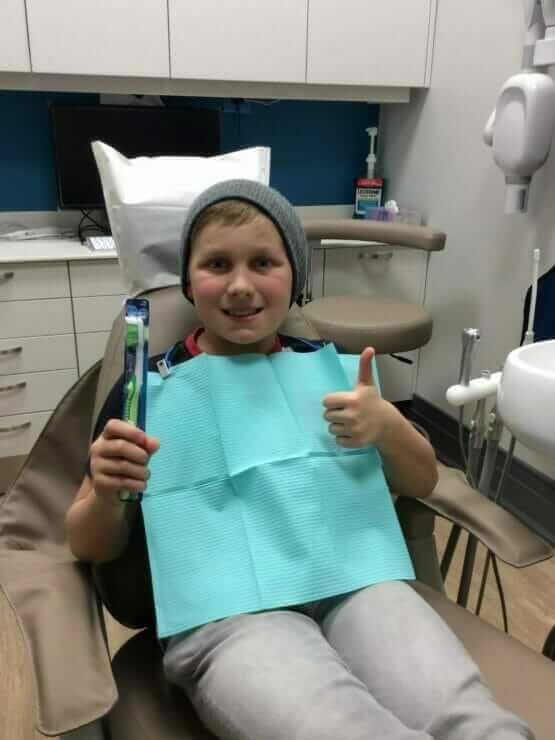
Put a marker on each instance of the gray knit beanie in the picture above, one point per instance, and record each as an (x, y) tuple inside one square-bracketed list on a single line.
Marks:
[(272, 204)]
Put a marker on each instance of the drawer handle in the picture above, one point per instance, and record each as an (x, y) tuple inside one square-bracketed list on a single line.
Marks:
[(7, 275), (14, 387), (11, 351), (16, 428), (375, 256)]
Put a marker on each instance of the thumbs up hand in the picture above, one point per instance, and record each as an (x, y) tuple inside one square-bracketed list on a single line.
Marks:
[(360, 417)]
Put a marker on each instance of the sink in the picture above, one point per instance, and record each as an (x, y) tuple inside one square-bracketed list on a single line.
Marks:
[(526, 395)]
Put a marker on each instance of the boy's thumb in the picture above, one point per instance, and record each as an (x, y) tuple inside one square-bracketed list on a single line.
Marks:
[(152, 445), (365, 376)]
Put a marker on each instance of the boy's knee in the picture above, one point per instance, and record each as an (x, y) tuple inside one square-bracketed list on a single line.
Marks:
[(245, 641)]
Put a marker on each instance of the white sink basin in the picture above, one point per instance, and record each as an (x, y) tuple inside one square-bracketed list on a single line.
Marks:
[(526, 395)]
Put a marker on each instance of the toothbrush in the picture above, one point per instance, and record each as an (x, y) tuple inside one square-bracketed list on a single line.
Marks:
[(136, 339)]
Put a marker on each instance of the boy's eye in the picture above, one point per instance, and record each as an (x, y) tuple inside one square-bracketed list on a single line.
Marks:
[(217, 264), (263, 263)]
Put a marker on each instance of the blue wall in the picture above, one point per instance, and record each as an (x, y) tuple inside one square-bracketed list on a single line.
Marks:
[(318, 148)]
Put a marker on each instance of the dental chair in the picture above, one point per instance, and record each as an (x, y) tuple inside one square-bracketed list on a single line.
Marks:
[(358, 321), (58, 601)]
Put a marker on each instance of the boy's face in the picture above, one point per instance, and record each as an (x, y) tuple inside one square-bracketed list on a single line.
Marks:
[(240, 280)]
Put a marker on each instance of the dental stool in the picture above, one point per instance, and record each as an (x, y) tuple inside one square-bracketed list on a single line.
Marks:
[(358, 321), (80, 690)]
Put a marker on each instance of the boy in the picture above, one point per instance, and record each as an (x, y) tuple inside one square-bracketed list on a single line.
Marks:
[(353, 666)]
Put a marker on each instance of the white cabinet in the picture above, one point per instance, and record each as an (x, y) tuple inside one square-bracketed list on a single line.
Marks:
[(36, 318), (104, 37), (96, 277), (96, 313), (19, 282), (258, 45), (369, 42), (37, 351), (29, 392), (97, 291), (14, 47), (20, 432), (48, 310), (255, 40), (90, 348), (34, 354)]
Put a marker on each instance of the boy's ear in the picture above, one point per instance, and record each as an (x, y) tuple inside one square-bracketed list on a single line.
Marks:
[(188, 291)]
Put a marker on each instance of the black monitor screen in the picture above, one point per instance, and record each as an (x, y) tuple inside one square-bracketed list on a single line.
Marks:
[(132, 130)]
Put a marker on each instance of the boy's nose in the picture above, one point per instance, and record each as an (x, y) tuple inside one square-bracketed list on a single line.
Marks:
[(240, 283)]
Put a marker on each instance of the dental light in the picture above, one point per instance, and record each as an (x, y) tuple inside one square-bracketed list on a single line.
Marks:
[(521, 127)]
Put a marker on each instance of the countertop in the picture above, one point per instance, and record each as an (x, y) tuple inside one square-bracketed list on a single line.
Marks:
[(50, 250)]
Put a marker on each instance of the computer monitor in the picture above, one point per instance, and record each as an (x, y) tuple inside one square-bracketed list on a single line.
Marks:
[(132, 130)]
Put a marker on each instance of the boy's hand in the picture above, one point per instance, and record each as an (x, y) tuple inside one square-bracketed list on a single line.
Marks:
[(359, 417), (119, 459)]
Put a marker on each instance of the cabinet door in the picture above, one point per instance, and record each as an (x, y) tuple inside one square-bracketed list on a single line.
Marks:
[(368, 42), (100, 37), (90, 348), (96, 277), (35, 318), (26, 393), (19, 432), (254, 40), (14, 48), (96, 313)]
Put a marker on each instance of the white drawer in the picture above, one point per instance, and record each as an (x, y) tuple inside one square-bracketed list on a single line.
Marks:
[(18, 433), (28, 392), (33, 354), (23, 281), (33, 318), (90, 348), (96, 314), (96, 277)]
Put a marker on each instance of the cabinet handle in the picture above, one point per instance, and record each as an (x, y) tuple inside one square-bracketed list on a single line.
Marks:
[(7, 275), (16, 428), (375, 255), (14, 387), (11, 351)]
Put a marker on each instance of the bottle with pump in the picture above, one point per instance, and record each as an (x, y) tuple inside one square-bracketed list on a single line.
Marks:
[(369, 189)]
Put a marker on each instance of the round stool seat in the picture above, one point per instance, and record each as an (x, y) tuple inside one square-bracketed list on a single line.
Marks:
[(358, 321)]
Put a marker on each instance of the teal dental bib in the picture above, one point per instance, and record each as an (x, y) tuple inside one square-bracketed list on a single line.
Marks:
[(251, 504)]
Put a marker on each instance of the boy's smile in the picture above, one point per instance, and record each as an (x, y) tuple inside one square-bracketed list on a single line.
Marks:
[(240, 280)]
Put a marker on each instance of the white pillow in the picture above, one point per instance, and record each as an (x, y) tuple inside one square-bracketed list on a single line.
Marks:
[(147, 200)]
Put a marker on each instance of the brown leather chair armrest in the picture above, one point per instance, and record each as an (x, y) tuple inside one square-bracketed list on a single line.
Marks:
[(400, 235), (50, 593), (495, 527), (61, 624)]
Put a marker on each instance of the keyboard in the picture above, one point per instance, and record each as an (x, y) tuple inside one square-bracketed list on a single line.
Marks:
[(100, 243)]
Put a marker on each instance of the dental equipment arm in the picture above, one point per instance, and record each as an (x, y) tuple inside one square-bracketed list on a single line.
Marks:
[(470, 337), (521, 127)]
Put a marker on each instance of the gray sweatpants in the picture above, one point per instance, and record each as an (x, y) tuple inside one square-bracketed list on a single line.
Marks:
[(379, 663)]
